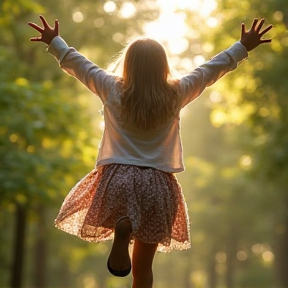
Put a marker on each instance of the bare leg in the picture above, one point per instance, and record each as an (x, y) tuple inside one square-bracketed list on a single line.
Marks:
[(142, 259)]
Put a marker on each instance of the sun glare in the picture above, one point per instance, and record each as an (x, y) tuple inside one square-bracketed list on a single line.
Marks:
[(171, 27), (127, 10), (109, 7)]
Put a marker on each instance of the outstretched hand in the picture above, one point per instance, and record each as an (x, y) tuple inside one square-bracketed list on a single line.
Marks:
[(252, 38), (47, 32)]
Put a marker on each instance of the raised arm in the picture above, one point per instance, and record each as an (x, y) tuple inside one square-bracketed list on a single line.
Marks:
[(47, 32), (253, 37), (193, 84), (72, 62)]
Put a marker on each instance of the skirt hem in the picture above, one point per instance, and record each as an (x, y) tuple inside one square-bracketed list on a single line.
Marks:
[(165, 248), (152, 199)]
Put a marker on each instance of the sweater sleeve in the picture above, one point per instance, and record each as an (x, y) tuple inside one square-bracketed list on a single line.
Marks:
[(76, 65), (193, 84)]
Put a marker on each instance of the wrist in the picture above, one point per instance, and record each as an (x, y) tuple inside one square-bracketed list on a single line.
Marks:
[(49, 37), (243, 44), (247, 47)]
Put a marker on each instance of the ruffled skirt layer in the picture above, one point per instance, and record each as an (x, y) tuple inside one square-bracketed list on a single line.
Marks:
[(152, 199)]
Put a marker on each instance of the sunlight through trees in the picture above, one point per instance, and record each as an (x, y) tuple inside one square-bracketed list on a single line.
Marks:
[(234, 137)]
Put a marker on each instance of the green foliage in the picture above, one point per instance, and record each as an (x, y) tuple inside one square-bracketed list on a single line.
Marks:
[(34, 133), (235, 145), (240, 193)]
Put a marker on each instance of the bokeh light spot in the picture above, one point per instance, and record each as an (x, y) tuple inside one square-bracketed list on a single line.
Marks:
[(215, 97), (109, 7), (78, 17), (212, 22), (278, 16), (199, 60), (242, 255), (221, 257), (245, 161), (99, 22), (268, 256), (127, 10)]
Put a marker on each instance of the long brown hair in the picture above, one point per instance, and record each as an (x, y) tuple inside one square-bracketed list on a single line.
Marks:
[(149, 98)]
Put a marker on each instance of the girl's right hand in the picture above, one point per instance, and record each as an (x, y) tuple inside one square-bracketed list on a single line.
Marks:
[(47, 32)]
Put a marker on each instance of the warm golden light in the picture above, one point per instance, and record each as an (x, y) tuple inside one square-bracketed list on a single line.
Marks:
[(257, 248), (245, 161), (212, 22), (77, 17), (171, 27), (198, 278), (109, 7), (215, 97), (268, 256), (221, 257), (102, 125), (14, 138), (99, 22), (242, 255), (127, 10)]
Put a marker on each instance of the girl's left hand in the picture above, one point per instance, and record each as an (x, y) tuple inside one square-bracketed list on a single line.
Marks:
[(253, 37), (47, 32)]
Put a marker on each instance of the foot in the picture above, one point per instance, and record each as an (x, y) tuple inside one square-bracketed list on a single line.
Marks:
[(119, 263)]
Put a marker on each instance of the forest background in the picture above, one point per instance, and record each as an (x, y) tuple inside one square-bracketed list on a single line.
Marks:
[(235, 139)]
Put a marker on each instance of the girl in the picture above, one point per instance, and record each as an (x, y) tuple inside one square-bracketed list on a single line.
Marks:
[(133, 193)]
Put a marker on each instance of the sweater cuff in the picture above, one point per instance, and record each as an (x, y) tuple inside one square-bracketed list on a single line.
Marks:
[(238, 52), (58, 48)]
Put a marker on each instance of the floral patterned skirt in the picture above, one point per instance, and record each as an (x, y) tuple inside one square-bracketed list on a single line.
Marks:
[(152, 199)]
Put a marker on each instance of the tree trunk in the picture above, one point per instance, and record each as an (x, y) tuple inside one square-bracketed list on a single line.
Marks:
[(40, 251), (281, 257), (231, 257), (212, 276), (188, 267), (18, 248)]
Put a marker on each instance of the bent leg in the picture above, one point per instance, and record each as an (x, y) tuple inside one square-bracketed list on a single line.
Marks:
[(119, 260), (142, 260)]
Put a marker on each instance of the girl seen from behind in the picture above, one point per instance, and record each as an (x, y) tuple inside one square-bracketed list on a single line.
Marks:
[(133, 193)]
